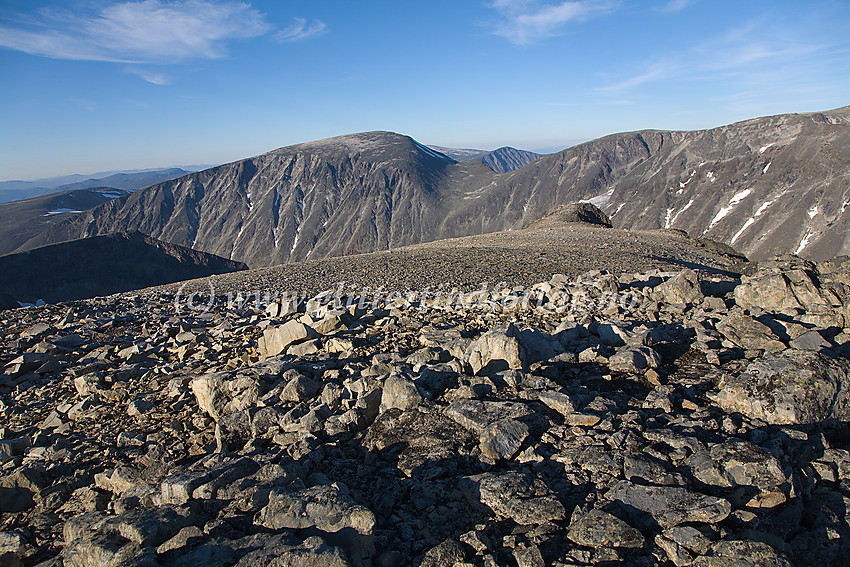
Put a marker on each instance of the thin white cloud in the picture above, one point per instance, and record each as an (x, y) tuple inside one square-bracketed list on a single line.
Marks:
[(749, 53), (655, 72), (526, 21), (678, 5), (153, 77), (301, 30), (147, 31)]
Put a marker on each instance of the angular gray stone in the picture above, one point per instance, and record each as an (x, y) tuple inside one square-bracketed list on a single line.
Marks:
[(810, 340), (496, 350), (684, 287), (634, 359), (559, 402), (312, 552), (742, 553), (400, 392), (503, 438), (276, 340), (299, 388), (326, 507), (737, 463), (748, 333), (477, 415), (221, 394)]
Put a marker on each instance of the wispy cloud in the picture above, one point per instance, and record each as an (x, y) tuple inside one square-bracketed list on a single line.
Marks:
[(147, 31), (677, 5), (655, 72), (153, 77), (301, 29), (748, 53), (527, 21)]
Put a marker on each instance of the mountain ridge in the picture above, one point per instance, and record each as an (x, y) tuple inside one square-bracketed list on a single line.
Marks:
[(379, 190)]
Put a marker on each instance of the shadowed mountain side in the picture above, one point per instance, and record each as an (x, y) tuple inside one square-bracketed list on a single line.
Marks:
[(103, 265), (22, 220)]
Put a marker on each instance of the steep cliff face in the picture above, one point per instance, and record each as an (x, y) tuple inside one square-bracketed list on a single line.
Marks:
[(775, 184)]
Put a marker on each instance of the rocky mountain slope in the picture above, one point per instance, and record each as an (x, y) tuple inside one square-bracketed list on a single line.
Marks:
[(658, 418), (775, 184), (102, 265), (22, 220)]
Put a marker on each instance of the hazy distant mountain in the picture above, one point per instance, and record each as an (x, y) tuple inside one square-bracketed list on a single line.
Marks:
[(501, 160), (129, 180), (22, 220), (765, 185), (103, 265)]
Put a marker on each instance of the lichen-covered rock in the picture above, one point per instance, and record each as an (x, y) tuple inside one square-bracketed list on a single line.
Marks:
[(742, 553), (597, 528), (520, 496), (670, 505), (748, 333), (738, 463), (790, 387), (326, 507)]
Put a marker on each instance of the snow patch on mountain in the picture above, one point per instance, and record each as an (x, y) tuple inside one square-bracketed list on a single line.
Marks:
[(600, 199), (737, 198)]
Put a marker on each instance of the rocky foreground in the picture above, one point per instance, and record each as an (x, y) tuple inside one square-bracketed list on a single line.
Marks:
[(658, 418)]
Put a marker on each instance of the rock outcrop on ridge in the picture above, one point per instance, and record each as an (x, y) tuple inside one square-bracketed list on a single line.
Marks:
[(656, 418)]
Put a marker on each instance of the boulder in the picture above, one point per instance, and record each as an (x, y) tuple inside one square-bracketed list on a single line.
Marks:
[(277, 339), (400, 392), (742, 553), (221, 394), (503, 438), (791, 387), (520, 496), (326, 507), (634, 359), (670, 505), (737, 463), (684, 287), (597, 528), (748, 333), (496, 350)]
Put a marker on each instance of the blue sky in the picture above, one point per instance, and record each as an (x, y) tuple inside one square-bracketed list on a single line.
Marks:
[(98, 85)]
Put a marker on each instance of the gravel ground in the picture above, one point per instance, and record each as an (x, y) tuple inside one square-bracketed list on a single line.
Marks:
[(519, 258)]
